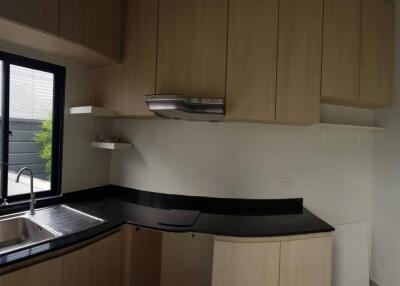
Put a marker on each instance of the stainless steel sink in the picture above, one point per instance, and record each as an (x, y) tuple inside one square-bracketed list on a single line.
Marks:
[(18, 232), (23, 230)]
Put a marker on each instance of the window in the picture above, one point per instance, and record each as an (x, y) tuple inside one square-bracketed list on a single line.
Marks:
[(31, 125)]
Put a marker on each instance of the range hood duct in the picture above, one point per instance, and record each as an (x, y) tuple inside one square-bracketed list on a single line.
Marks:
[(186, 108)]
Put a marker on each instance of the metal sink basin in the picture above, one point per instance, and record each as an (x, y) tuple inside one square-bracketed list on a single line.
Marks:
[(18, 231)]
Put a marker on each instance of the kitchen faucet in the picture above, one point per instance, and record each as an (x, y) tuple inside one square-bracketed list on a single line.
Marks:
[(33, 198)]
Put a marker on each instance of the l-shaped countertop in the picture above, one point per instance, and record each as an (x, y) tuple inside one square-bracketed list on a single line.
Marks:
[(175, 213)]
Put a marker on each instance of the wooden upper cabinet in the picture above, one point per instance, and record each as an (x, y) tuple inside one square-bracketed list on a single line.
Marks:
[(357, 65), (306, 262), (46, 273), (123, 88), (252, 56), (192, 42), (299, 61), (39, 14), (377, 52), (96, 24), (341, 51), (250, 264)]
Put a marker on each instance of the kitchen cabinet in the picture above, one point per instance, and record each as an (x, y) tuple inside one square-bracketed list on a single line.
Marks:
[(377, 46), (96, 24), (250, 264), (341, 51), (358, 53), (46, 273), (87, 32), (186, 260), (98, 264), (142, 257), (252, 57), (122, 88), (306, 262), (39, 14), (192, 43), (303, 260), (299, 61), (272, 60)]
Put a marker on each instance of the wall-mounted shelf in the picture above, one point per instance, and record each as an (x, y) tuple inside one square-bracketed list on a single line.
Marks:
[(92, 111), (111, 146), (347, 126)]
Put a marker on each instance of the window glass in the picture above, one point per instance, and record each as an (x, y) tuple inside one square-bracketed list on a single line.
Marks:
[(30, 124)]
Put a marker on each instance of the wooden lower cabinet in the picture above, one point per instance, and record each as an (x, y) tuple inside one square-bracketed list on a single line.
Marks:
[(186, 260), (132, 257), (286, 261), (306, 262), (99, 264), (249, 264), (46, 273)]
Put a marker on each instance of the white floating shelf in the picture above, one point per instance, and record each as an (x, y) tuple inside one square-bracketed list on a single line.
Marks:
[(112, 146), (347, 126), (92, 111)]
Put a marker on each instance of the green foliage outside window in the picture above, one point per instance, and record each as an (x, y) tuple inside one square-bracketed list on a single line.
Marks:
[(44, 139)]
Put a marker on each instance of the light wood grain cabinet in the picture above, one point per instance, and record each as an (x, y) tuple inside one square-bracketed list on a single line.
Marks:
[(376, 53), (122, 88), (192, 42), (252, 57), (250, 264), (358, 53), (98, 264), (299, 61), (94, 23), (39, 14), (274, 61), (284, 261), (46, 273), (186, 260), (341, 51), (306, 262)]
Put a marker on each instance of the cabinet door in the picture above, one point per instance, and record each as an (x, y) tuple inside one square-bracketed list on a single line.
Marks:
[(99, 264), (341, 51), (186, 260), (250, 264), (192, 47), (306, 262), (39, 14), (47, 273), (142, 253), (122, 88), (377, 52), (252, 55), (299, 61), (96, 24)]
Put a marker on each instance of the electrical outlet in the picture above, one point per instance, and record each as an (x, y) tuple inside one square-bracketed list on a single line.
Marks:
[(285, 184)]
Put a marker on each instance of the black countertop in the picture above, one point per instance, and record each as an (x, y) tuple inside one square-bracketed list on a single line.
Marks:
[(174, 213)]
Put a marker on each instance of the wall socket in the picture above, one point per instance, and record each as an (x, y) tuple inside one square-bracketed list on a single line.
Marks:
[(285, 184)]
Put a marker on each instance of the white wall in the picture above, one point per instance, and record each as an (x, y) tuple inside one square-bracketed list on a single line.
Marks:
[(385, 267), (83, 166), (247, 161)]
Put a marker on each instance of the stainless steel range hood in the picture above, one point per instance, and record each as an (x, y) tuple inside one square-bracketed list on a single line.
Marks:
[(186, 108)]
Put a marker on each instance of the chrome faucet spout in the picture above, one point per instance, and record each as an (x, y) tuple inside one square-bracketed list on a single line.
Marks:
[(33, 197)]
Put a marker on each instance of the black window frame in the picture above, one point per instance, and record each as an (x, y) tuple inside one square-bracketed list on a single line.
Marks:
[(58, 123)]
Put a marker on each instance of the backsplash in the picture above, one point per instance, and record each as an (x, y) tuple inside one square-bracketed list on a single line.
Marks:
[(329, 168)]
